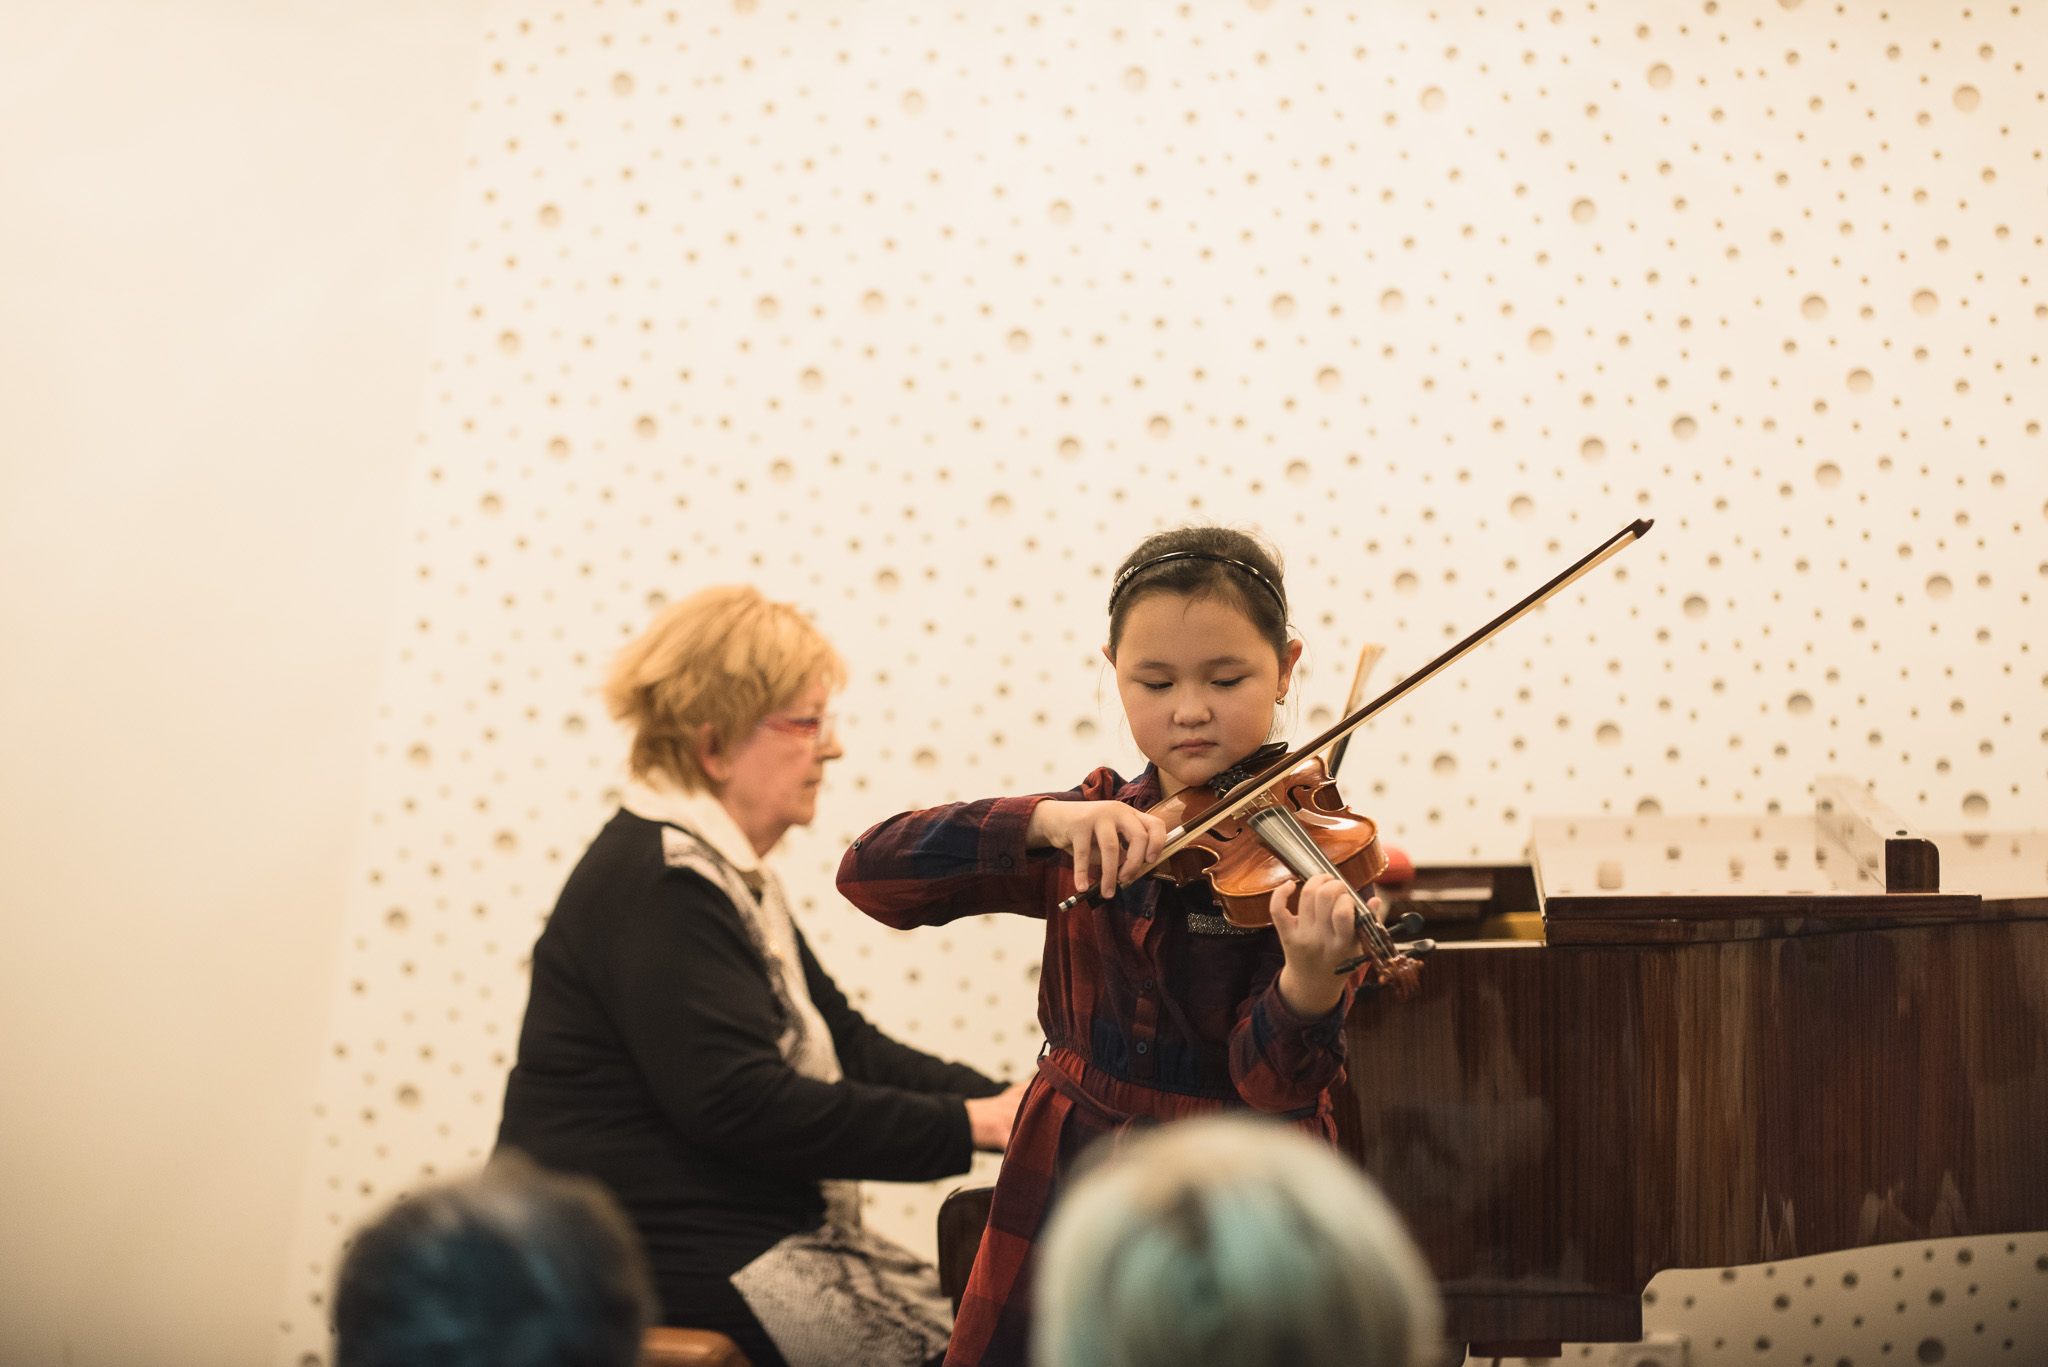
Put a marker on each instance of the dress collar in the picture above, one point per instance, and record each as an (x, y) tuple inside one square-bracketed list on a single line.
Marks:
[(1142, 791), (657, 798)]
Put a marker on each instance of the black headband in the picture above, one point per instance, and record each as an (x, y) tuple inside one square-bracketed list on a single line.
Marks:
[(1123, 580)]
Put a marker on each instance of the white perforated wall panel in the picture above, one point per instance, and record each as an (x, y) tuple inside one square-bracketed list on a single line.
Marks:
[(922, 315)]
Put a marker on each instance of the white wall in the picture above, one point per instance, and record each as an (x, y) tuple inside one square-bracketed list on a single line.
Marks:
[(222, 227)]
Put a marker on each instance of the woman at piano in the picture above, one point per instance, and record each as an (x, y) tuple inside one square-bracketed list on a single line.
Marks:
[(683, 1044)]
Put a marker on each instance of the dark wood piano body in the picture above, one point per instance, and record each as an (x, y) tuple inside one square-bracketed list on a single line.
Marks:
[(1693, 1075)]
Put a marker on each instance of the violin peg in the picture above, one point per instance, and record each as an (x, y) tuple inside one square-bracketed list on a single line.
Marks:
[(1409, 927)]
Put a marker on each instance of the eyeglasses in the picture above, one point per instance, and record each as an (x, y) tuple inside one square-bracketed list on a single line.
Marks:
[(819, 730)]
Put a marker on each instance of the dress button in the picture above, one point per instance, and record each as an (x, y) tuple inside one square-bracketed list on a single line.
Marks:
[(1142, 1046), (1148, 984)]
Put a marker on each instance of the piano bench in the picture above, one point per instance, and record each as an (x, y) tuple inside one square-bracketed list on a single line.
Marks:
[(668, 1347)]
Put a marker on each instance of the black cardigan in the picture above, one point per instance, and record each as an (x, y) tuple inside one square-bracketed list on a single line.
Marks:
[(648, 1060)]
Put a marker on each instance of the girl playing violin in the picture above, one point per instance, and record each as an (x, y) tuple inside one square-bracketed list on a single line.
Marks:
[(1154, 1006)]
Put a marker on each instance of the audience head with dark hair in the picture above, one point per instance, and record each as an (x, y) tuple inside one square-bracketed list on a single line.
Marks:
[(1230, 1242), (516, 1267)]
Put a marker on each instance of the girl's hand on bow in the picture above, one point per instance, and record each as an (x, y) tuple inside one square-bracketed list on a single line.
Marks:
[(1117, 837), (1316, 934)]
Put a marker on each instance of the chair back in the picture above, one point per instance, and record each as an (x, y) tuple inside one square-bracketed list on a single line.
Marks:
[(963, 1216)]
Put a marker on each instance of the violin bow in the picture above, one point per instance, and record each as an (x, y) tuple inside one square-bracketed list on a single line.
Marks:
[(1248, 792), (1368, 656)]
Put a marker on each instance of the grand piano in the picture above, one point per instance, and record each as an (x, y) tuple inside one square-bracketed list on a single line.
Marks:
[(1706, 1041)]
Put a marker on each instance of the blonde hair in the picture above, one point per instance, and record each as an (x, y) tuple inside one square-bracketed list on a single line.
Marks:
[(1231, 1240), (726, 657)]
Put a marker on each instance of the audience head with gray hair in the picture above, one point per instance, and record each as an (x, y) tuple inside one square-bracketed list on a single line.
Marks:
[(1236, 1241), (516, 1267)]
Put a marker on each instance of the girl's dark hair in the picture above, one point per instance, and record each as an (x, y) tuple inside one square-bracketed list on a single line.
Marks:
[(1258, 591)]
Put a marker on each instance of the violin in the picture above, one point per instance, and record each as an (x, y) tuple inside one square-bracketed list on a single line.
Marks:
[(1297, 828), (1272, 819)]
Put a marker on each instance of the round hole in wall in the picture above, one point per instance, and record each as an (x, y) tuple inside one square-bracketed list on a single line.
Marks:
[(1433, 99), (1159, 425), (1684, 428), (1799, 704), (1060, 211), (645, 426), (1445, 764), (558, 447), (1695, 605), (1592, 448), (1406, 582), (1327, 378), (1583, 211), (1938, 586), (811, 379), (1607, 733), (1859, 381), (1925, 302), (1976, 806), (1069, 447), (1660, 77), (1524, 507), (1827, 474), (622, 84), (1392, 301), (1541, 340), (1967, 98), (1283, 306), (1134, 78), (913, 102)]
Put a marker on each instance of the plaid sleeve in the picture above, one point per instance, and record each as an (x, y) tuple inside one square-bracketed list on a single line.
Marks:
[(928, 867), (1278, 1061)]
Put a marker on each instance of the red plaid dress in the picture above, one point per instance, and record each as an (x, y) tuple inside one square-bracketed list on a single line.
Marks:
[(1153, 1010)]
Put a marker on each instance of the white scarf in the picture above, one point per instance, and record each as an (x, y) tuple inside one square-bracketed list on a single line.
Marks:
[(698, 834)]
